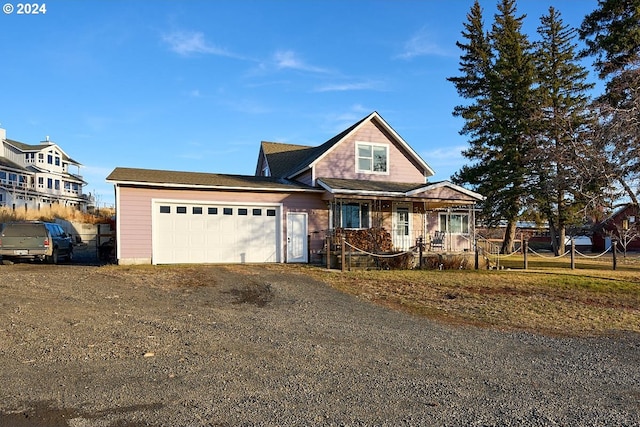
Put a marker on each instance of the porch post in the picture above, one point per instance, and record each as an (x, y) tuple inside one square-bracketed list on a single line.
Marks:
[(448, 245), (342, 255)]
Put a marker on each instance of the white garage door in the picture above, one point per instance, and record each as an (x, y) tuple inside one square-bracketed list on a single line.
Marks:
[(214, 233)]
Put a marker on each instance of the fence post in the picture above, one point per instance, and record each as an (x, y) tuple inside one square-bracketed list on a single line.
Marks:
[(420, 251), (525, 251), (342, 254), (573, 253), (328, 252), (477, 257), (614, 245)]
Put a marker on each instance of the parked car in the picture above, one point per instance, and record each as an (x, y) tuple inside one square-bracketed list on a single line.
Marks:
[(44, 241)]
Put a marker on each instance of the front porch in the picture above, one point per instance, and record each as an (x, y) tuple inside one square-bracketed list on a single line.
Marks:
[(389, 218), (396, 226)]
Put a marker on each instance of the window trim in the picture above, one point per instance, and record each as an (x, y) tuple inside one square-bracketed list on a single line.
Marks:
[(338, 208), (447, 218), (372, 145)]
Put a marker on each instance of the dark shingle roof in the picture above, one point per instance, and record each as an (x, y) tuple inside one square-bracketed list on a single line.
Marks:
[(201, 179), (9, 164), (318, 151), (24, 147), (286, 159), (281, 156), (371, 186)]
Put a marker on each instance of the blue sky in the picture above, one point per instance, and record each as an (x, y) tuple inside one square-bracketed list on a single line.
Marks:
[(196, 85)]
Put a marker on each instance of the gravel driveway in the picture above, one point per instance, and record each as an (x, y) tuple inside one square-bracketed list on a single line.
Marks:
[(251, 345)]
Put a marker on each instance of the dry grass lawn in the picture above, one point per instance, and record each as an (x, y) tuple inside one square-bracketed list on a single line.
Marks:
[(50, 213), (550, 299)]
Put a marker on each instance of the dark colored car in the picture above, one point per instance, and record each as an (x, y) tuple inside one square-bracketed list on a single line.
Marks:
[(44, 241)]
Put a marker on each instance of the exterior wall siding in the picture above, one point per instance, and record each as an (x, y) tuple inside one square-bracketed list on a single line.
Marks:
[(135, 215), (305, 178), (341, 162)]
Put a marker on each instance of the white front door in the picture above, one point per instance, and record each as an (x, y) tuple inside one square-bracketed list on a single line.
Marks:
[(401, 227), (297, 237)]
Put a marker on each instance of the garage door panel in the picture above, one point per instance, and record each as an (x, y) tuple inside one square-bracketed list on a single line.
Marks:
[(214, 233)]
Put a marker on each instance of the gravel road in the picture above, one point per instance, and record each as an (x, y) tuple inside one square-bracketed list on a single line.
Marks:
[(253, 346)]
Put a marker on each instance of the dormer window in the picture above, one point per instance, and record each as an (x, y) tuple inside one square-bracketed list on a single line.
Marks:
[(372, 158)]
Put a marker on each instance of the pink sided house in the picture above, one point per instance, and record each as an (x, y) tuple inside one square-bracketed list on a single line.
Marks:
[(366, 177)]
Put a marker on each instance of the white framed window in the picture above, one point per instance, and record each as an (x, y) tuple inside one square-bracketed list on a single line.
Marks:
[(353, 215), (457, 223), (372, 158)]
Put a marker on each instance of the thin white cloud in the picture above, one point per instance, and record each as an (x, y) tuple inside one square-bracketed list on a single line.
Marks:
[(344, 87), (187, 43), (446, 156), (421, 44), (287, 59)]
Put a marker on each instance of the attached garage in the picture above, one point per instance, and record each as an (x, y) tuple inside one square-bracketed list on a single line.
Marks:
[(169, 217), (198, 232)]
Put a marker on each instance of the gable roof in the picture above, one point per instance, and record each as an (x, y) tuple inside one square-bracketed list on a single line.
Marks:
[(179, 179), (39, 147), (616, 214), (321, 151), (289, 160)]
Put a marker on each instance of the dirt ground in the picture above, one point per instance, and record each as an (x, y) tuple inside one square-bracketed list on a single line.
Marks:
[(118, 346)]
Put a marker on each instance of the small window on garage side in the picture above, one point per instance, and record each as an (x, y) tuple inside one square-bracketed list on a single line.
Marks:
[(181, 209), (197, 210), (212, 211), (165, 209), (242, 211), (271, 212), (257, 212), (227, 211)]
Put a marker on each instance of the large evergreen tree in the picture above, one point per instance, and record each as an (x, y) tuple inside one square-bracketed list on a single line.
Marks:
[(612, 35), (498, 76), (561, 174)]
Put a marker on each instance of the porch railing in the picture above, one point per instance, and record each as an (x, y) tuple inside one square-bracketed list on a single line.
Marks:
[(381, 240)]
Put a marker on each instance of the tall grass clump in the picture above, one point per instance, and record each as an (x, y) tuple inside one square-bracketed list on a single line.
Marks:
[(55, 212)]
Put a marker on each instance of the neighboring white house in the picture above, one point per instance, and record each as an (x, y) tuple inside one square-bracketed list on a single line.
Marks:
[(39, 175)]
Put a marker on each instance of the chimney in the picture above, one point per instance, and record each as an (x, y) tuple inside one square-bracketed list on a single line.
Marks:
[(46, 141), (3, 134)]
